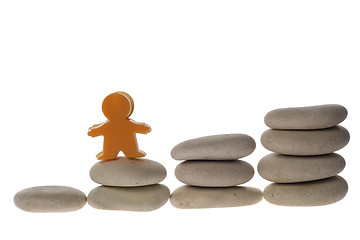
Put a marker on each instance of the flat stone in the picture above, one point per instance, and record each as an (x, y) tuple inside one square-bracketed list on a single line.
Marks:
[(290, 169), (125, 172), (214, 173), (216, 147), (314, 117), (50, 199), (315, 193), (139, 199), (305, 142), (189, 197)]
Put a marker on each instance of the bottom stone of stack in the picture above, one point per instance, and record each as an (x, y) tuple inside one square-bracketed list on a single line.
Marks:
[(190, 197), (314, 193), (139, 199)]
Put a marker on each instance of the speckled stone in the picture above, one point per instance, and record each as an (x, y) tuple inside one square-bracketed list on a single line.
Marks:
[(301, 142), (314, 193), (290, 169), (216, 147), (127, 172), (138, 199), (189, 197), (50, 199), (214, 173), (314, 117)]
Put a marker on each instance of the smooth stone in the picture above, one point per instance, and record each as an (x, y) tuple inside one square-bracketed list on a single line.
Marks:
[(305, 142), (315, 193), (50, 199), (139, 199), (290, 169), (189, 197), (125, 172), (216, 147), (214, 173), (314, 117)]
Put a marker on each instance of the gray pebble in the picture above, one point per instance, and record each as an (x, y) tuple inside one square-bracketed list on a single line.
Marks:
[(139, 199), (189, 197), (214, 173), (301, 142), (216, 147), (50, 199), (127, 172), (314, 117), (315, 193), (289, 169)]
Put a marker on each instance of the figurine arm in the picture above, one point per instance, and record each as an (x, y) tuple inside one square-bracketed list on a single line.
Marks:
[(140, 127), (97, 129)]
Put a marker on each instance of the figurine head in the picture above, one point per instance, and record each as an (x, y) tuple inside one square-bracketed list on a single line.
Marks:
[(118, 105)]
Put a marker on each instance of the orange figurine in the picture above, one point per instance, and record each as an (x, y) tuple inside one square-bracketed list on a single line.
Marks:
[(119, 130)]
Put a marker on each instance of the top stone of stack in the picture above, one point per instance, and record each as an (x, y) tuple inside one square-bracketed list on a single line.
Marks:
[(126, 172), (216, 147), (306, 118)]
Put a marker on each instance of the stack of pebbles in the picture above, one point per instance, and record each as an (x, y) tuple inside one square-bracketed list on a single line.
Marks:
[(212, 172), (128, 185), (303, 166)]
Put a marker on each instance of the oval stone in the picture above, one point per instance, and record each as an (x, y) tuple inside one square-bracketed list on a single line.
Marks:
[(314, 117), (216, 147), (214, 173), (290, 169), (305, 142), (139, 199), (50, 199), (127, 172), (314, 193), (189, 197)]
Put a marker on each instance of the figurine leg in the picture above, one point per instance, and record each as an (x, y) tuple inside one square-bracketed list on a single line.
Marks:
[(134, 154), (106, 156), (99, 154), (108, 153), (132, 151)]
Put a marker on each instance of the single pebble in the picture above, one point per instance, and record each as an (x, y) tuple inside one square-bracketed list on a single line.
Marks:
[(189, 197), (214, 173), (50, 199), (314, 117), (127, 172), (139, 199), (314, 193), (301, 142), (289, 169), (216, 147)]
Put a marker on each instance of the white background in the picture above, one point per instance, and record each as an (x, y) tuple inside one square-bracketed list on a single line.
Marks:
[(194, 68)]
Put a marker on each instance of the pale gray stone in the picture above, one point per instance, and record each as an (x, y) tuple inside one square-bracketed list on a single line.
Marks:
[(314, 117), (138, 199), (290, 169), (189, 197), (216, 147), (314, 193), (214, 173), (50, 199), (305, 142), (127, 172)]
